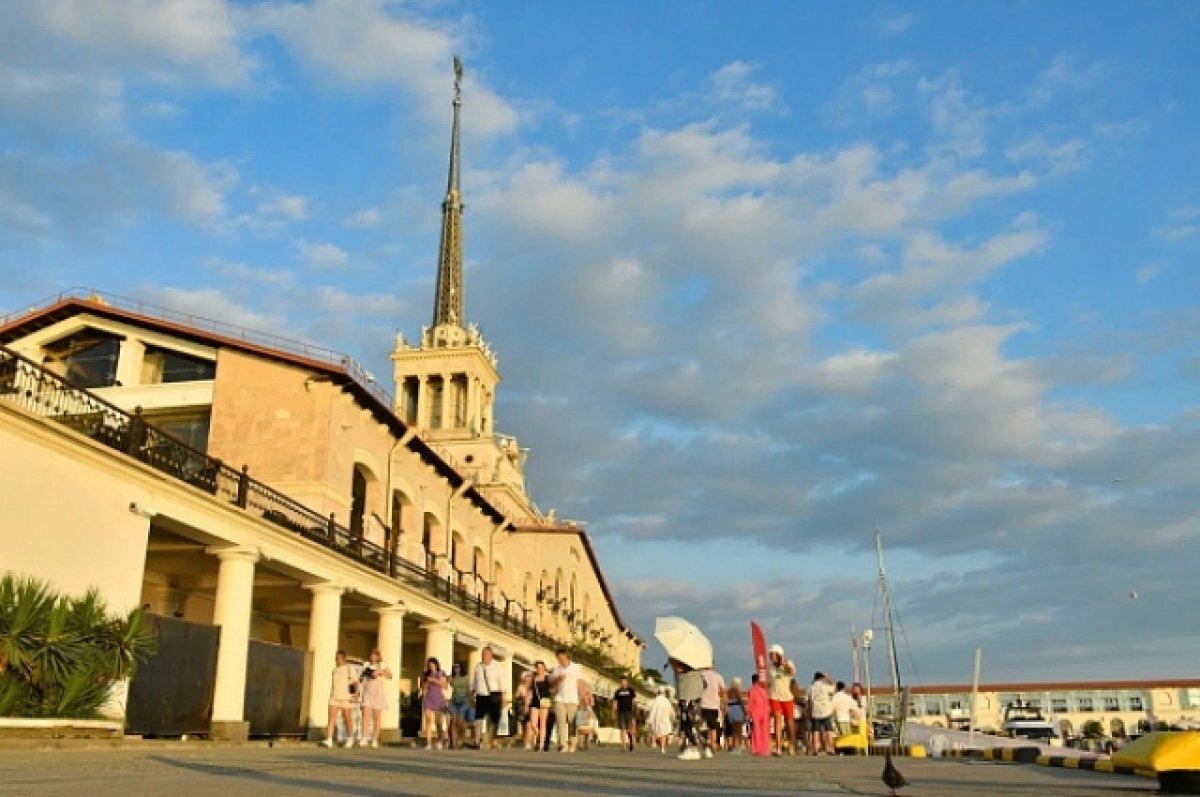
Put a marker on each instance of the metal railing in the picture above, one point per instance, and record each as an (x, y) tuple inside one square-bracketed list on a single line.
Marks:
[(48, 395), (268, 340)]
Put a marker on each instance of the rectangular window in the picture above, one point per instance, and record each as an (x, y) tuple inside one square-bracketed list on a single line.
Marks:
[(1111, 703), (162, 366), (189, 426), (1059, 705), (1190, 698), (435, 393), (86, 359), (1135, 703), (1084, 705), (933, 708)]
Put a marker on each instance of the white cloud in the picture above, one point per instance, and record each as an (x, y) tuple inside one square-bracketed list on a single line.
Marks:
[(733, 85), (162, 39), (1148, 272), (1053, 158), (368, 44), (1183, 224), (366, 217), (888, 25), (294, 208), (322, 255)]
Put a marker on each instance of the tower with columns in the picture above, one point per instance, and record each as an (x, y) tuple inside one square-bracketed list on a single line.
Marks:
[(445, 382)]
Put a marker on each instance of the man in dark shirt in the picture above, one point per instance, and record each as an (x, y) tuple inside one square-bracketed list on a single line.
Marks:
[(626, 718)]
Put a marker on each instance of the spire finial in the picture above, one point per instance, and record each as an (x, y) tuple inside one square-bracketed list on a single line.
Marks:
[(448, 300)]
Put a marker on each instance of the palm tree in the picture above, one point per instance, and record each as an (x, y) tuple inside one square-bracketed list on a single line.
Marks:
[(60, 656)]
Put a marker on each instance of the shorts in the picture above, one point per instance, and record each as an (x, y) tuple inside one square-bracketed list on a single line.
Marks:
[(712, 718), (341, 704), (460, 709), (820, 724), (488, 706), (784, 707), (625, 720)]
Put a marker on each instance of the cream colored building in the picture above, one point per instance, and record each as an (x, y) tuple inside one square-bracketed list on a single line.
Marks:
[(1121, 707), (309, 508)]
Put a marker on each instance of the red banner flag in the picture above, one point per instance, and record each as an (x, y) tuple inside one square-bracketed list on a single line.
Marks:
[(760, 653)]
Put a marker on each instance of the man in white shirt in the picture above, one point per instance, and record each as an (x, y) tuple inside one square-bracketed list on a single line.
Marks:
[(491, 695), (844, 708), (567, 682), (711, 706), (820, 696)]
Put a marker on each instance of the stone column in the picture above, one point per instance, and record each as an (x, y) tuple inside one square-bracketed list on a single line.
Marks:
[(474, 656), (324, 620), (422, 402), (390, 641), (231, 611), (439, 644)]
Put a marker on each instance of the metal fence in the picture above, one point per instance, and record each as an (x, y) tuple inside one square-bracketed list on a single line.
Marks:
[(48, 395)]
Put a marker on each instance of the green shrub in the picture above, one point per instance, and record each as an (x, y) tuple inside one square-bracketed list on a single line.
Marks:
[(59, 655)]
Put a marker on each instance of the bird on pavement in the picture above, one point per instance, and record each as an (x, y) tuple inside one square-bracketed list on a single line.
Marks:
[(891, 776)]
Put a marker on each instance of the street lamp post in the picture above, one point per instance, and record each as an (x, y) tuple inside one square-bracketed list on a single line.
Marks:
[(867, 636)]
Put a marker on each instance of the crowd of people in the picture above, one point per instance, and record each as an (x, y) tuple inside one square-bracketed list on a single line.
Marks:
[(554, 707)]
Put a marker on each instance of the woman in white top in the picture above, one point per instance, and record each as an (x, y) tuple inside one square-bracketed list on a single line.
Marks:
[(342, 696), (374, 697)]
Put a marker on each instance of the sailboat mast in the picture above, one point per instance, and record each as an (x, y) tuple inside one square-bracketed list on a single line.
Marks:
[(887, 619)]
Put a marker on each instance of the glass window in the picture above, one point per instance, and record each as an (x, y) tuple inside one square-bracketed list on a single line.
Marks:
[(86, 359), (190, 427), (1190, 698), (1111, 703), (1059, 704), (162, 366), (1085, 704), (1135, 703), (933, 708)]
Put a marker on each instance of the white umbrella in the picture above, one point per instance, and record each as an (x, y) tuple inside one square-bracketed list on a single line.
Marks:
[(684, 641)]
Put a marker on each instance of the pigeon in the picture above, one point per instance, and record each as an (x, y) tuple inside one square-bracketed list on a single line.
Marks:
[(891, 776)]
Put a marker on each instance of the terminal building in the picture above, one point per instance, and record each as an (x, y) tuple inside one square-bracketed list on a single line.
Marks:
[(269, 502), (1122, 708)]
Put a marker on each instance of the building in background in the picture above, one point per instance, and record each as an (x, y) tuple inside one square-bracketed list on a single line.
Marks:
[(270, 503), (1121, 707)]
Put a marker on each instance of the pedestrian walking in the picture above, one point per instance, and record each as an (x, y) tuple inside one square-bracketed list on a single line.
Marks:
[(566, 680), (735, 716), (540, 704), (689, 690), (781, 671), (343, 694), (625, 699), (374, 697), (458, 705), (434, 686), (711, 704), (759, 706), (490, 693), (844, 709), (661, 720), (820, 695)]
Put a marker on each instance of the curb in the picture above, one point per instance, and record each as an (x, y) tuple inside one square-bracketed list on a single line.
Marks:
[(1014, 755), (1092, 765), (907, 751)]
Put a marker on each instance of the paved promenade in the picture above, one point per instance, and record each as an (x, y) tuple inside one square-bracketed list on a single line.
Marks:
[(200, 770)]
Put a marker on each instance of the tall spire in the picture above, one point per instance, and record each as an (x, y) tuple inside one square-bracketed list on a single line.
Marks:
[(448, 299)]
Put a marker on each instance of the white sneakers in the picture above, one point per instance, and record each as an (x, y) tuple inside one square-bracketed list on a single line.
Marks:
[(708, 753), (349, 742), (327, 742), (690, 754)]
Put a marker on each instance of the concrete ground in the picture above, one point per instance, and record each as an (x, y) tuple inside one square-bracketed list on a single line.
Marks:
[(207, 770)]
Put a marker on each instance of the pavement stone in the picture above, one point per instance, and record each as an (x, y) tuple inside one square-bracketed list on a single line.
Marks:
[(254, 770)]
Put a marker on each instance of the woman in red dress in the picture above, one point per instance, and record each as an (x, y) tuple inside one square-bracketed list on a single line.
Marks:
[(760, 718)]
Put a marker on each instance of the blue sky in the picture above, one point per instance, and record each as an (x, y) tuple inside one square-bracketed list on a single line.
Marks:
[(761, 277)]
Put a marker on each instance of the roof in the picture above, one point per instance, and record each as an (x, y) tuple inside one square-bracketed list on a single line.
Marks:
[(1049, 686), (341, 369), (591, 553)]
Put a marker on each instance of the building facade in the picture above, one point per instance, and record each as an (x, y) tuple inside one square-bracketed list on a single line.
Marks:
[(1120, 707), (273, 490)]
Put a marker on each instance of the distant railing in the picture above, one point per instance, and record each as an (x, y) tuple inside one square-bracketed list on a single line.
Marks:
[(46, 394), (237, 332)]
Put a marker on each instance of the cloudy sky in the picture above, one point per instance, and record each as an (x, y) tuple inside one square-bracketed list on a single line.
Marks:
[(762, 278)]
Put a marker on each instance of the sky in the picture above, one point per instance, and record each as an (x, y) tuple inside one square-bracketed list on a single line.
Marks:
[(763, 278)]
